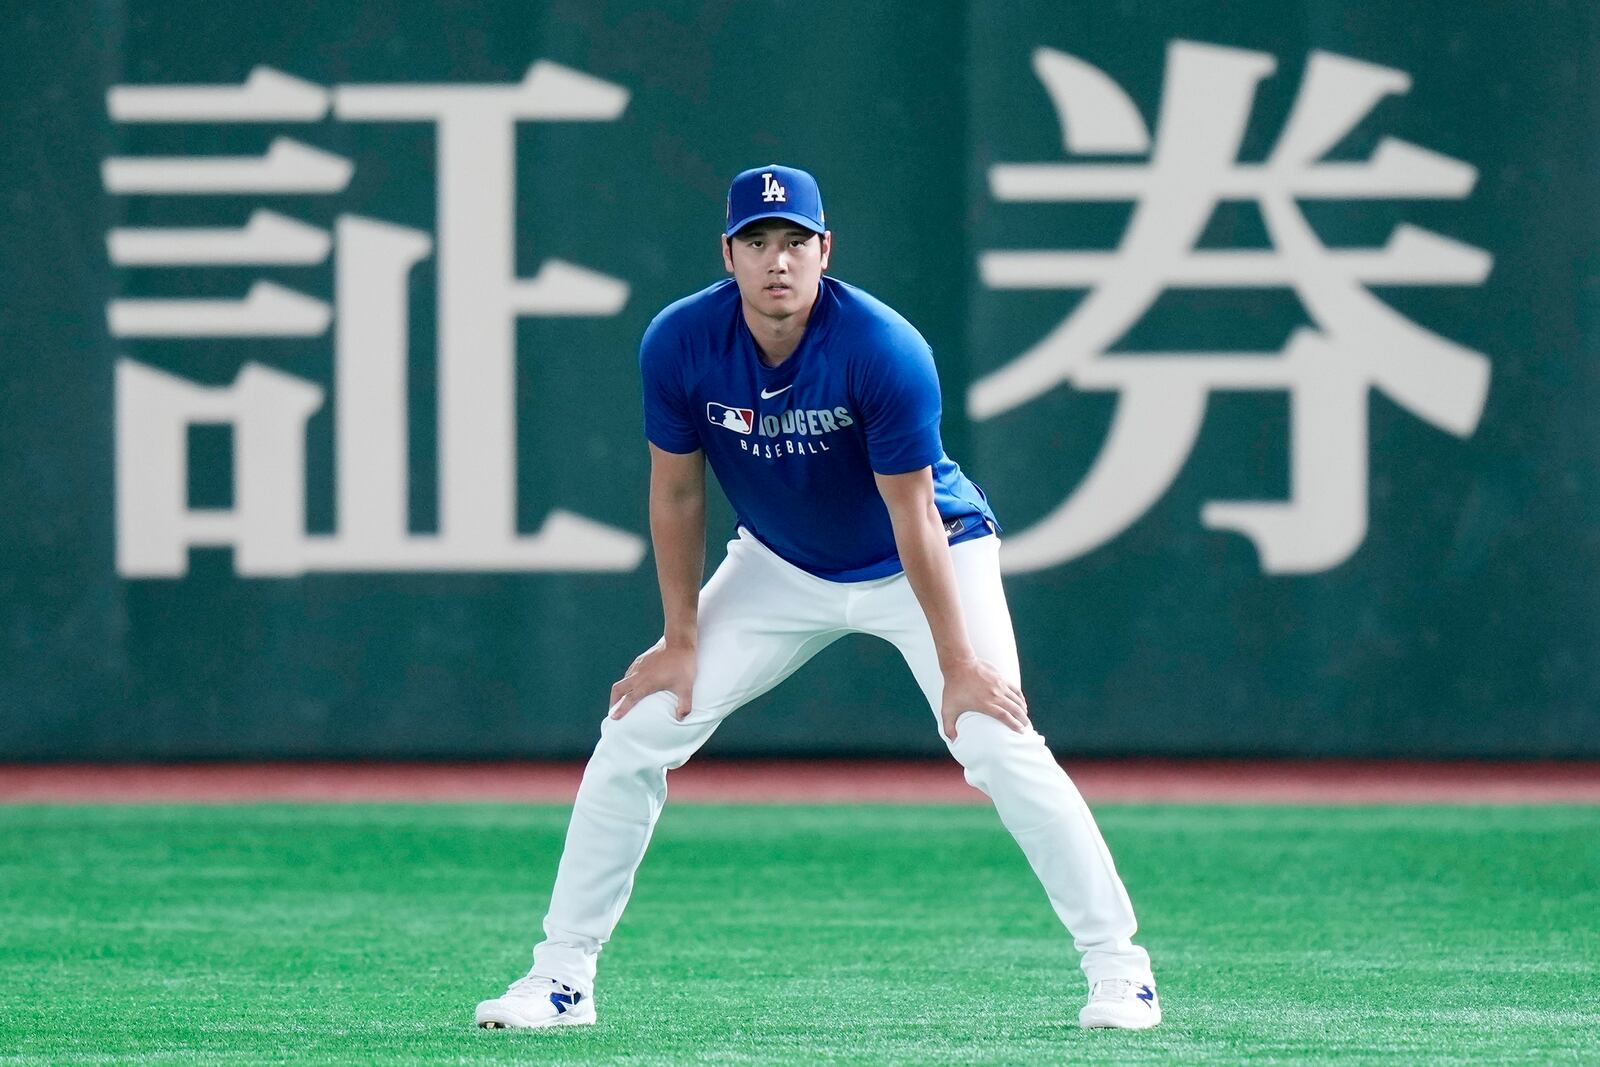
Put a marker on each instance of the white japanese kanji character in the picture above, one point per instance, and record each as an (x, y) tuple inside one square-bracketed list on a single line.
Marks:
[(480, 299), (1358, 343)]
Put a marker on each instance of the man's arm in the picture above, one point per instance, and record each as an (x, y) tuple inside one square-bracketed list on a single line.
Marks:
[(678, 534), (970, 684)]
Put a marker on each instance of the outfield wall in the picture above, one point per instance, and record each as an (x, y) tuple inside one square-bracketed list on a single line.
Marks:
[(1269, 328)]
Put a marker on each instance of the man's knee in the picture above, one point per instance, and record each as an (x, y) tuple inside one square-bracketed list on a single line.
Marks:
[(985, 746), (648, 739)]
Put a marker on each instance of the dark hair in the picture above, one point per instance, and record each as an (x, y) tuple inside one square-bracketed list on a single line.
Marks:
[(770, 221)]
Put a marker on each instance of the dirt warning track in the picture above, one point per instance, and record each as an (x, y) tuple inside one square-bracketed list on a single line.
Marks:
[(821, 781)]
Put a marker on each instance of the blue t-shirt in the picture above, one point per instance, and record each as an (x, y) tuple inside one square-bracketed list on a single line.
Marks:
[(795, 446)]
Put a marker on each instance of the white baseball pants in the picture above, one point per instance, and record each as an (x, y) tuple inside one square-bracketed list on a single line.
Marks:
[(760, 619)]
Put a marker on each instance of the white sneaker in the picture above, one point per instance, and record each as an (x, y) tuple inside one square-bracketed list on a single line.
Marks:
[(536, 1001), (1120, 1004)]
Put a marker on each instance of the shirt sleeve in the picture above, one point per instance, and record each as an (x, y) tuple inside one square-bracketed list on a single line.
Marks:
[(667, 421), (897, 392)]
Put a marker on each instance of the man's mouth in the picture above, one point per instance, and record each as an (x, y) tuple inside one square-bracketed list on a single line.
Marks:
[(777, 288)]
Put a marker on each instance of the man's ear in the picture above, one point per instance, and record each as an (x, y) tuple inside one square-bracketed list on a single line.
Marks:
[(827, 248), (727, 253)]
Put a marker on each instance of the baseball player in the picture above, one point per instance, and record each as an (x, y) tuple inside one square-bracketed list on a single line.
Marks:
[(818, 409)]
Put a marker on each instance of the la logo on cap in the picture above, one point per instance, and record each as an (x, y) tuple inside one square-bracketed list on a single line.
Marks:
[(772, 191)]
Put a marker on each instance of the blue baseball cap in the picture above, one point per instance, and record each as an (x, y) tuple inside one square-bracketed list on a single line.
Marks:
[(774, 192)]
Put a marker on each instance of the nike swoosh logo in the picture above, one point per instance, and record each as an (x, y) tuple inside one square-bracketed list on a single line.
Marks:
[(768, 396)]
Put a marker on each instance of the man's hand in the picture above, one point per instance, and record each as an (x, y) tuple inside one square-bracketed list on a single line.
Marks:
[(974, 685), (658, 669)]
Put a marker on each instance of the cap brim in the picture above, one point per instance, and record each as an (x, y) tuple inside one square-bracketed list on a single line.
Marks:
[(799, 220)]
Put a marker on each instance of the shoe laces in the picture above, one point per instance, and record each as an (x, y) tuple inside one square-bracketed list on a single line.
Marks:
[(535, 985), (1112, 989)]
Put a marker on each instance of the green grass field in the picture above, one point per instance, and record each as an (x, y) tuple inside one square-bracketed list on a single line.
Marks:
[(917, 935)]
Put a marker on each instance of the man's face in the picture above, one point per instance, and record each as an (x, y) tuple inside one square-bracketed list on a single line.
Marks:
[(777, 266)]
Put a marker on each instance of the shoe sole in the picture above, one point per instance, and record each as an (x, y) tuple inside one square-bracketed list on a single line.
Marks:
[(504, 1020), (496, 1024), (520, 1024), (1101, 1022)]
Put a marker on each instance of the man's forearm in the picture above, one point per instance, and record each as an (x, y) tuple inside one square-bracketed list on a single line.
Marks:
[(678, 533), (925, 555)]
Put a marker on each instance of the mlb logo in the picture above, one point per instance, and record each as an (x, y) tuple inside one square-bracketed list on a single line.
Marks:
[(739, 420)]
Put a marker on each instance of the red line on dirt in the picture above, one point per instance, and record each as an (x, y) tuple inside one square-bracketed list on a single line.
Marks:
[(821, 782)]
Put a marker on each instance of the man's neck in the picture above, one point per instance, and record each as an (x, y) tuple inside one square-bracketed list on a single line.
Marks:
[(777, 339)]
